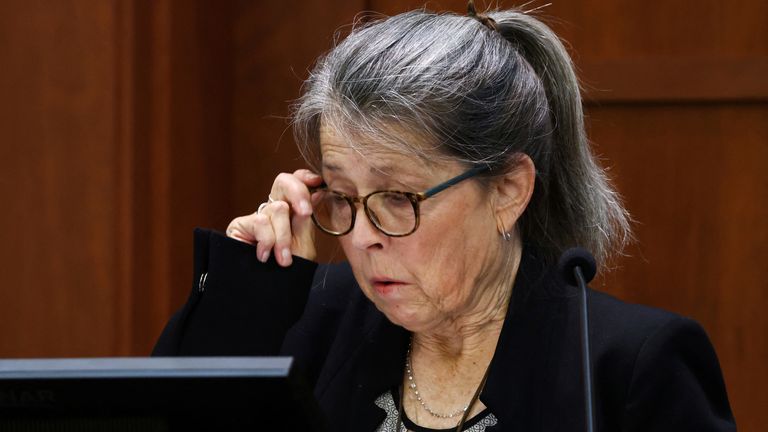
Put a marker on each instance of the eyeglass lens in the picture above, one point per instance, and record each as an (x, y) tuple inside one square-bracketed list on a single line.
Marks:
[(392, 212)]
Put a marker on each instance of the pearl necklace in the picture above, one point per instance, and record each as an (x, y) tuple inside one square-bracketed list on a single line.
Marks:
[(415, 390)]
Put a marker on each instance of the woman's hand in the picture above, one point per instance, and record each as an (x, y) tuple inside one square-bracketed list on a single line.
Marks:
[(283, 225)]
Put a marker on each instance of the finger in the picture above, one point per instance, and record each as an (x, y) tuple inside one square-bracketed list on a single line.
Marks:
[(301, 226), (308, 177), (262, 227), (238, 230), (303, 242), (291, 189), (254, 229), (279, 215)]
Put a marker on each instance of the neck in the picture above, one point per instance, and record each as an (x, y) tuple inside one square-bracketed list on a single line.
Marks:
[(450, 360), (476, 330), (465, 342)]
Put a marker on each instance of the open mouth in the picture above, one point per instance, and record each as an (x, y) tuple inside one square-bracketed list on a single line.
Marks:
[(385, 286)]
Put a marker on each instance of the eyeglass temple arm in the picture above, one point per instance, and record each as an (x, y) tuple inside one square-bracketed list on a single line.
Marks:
[(459, 178)]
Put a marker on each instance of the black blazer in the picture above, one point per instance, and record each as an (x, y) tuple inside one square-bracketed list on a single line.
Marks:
[(653, 370)]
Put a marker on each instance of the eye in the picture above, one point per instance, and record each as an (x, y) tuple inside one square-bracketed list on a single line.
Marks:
[(337, 200), (329, 200), (396, 200)]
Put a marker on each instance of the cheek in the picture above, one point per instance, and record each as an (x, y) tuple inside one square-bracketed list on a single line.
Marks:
[(464, 237), (449, 258), (354, 256)]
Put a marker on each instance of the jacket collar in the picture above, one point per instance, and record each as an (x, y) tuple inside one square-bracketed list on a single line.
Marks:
[(518, 378)]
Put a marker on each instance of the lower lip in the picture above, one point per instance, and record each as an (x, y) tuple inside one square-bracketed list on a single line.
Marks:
[(386, 288)]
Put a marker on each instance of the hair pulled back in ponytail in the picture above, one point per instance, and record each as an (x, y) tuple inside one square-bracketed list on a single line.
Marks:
[(476, 95), (578, 205)]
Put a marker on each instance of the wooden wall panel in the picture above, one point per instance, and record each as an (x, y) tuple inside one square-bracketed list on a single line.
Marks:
[(56, 179), (115, 144), (274, 52), (177, 156), (689, 50), (694, 178)]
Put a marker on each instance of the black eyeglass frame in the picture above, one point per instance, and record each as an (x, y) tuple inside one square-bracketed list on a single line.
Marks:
[(414, 197)]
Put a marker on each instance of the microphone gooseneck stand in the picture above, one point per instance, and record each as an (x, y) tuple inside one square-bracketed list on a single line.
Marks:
[(577, 266), (586, 360)]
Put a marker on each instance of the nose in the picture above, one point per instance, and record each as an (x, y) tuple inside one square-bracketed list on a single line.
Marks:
[(364, 234)]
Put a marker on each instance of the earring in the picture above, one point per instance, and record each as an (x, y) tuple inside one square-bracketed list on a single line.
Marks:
[(506, 235)]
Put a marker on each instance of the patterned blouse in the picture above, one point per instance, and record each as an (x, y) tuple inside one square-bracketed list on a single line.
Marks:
[(386, 401)]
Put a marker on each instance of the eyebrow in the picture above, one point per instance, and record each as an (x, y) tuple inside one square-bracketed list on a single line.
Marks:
[(388, 170), (385, 169), (331, 167)]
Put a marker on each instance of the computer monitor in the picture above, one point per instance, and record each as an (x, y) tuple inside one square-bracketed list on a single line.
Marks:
[(155, 395)]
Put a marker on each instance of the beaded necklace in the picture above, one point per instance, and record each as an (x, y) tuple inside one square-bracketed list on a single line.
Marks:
[(412, 384)]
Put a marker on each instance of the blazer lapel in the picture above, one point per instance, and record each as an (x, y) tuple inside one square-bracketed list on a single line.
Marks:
[(521, 379), (379, 368), (368, 361)]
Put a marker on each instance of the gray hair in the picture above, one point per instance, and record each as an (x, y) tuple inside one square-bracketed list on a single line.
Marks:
[(478, 96)]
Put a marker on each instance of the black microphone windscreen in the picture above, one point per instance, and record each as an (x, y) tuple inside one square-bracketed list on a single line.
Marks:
[(576, 257)]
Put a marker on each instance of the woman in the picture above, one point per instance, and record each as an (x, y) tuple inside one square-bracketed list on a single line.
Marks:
[(448, 155)]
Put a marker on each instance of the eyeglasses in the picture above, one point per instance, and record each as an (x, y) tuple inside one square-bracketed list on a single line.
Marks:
[(394, 213)]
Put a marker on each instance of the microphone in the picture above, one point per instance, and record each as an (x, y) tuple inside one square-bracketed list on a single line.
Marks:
[(577, 267), (573, 258)]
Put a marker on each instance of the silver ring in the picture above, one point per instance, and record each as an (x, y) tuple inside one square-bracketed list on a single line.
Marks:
[(270, 200)]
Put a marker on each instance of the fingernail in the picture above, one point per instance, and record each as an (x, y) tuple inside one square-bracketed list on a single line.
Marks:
[(305, 207), (286, 254), (264, 256)]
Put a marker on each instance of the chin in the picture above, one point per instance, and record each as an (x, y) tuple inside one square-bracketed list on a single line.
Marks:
[(396, 309), (409, 321)]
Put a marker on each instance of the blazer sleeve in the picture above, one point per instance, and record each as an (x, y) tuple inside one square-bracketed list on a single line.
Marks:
[(677, 384), (237, 305)]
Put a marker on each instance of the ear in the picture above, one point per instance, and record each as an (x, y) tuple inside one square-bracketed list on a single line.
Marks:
[(513, 192)]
